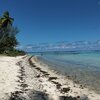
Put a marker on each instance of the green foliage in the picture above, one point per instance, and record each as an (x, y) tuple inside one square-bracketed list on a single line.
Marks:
[(9, 41), (14, 53), (8, 33), (5, 20)]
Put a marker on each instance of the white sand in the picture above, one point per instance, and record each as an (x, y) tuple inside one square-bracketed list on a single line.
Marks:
[(8, 73), (38, 86)]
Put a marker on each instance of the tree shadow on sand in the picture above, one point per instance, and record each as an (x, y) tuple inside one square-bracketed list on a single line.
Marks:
[(67, 98), (38, 95), (29, 95), (73, 98)]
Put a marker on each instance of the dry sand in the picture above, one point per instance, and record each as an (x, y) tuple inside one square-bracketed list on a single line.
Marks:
[(8, 72), (25, 78)]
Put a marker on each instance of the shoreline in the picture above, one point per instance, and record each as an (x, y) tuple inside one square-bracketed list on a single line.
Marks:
[(77, 76), (29, 79), (75, 90)]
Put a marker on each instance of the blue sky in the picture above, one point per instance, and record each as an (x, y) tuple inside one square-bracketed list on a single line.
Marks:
[(53, 21)]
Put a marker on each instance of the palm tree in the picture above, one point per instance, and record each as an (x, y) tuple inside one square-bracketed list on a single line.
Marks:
[(5, 22)]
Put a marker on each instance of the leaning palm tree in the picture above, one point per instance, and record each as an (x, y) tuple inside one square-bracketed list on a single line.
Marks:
[(5, 22)]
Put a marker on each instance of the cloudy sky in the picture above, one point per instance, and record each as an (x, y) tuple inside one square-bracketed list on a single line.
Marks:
[(41, 21)]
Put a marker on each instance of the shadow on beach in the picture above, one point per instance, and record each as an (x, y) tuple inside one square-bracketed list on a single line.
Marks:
[(38, 95), (30, 95)]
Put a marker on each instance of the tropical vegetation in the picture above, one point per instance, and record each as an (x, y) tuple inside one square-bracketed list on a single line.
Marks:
[(8, 32)]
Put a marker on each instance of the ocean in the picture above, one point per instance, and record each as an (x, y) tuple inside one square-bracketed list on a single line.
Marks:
[(82, 66)]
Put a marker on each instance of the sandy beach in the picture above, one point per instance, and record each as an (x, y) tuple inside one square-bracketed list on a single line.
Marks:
[(25, 78)]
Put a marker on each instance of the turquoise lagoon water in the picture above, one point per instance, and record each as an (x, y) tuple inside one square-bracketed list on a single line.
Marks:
[(81, 66)]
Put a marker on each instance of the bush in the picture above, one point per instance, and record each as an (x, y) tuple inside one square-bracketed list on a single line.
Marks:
[(14, 53)]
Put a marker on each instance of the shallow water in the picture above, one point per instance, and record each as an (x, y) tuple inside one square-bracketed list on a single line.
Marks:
[(82, 66)]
